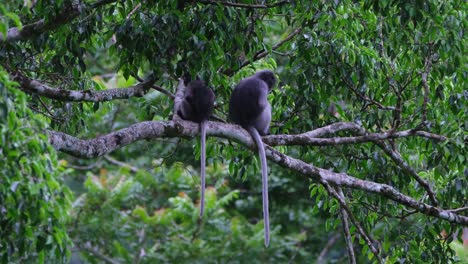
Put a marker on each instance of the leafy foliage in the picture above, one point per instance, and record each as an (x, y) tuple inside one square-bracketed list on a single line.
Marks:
[(147, 224), (387, 66), (34, 205)]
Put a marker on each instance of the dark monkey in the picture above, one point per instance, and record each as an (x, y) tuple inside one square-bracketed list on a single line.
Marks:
[(197, 106), (249, 107)]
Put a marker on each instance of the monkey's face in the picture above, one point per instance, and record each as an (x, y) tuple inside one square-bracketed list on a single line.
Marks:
[(271, 82), (268, 77)]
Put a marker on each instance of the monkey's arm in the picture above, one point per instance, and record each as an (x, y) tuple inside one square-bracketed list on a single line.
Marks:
[(185, 110), (262, 97), (262, 123)]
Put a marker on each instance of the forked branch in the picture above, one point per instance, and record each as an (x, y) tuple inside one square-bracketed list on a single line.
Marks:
[(150, 130)]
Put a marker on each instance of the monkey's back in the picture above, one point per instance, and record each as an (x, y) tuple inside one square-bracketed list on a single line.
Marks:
[(203, 104), (201, 101), (244, 105)]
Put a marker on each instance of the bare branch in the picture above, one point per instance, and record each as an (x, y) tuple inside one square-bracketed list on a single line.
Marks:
[(121, 164), (341, 200), (179, 97), (65, 16), (346, 231), (149, 130), (327, 247), (310, 138), (156, 87), (37, 87), (396, 157), (133, 11), (461, 209), (367, 98)]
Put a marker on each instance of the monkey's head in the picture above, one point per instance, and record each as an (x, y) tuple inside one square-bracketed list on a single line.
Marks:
[(268, 77)]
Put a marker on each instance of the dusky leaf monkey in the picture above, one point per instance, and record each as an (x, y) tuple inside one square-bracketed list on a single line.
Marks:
[(249, 107), (197, 106)]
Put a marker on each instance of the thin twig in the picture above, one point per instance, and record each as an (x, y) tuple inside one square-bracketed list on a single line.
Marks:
[(263, 53), (84, 168), (366, 98), (133, 11), (396, 157), (461, 209), (98, 254), (385, 214), (156, 87), (327, 248), (120, 163)]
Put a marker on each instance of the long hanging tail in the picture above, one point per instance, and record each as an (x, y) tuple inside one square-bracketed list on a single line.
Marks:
[(261, 152), (202, 166)]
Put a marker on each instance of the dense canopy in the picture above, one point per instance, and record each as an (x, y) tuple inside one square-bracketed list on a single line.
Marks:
[(367, 146)]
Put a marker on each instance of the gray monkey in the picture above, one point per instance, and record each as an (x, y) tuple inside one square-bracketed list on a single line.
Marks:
[(197, 106), (249, 107)]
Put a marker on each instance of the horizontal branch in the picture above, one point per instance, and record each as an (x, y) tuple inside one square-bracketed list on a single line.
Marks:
[(36, 87), (121, 164), (66, 15), (149, 130), (311, 138)]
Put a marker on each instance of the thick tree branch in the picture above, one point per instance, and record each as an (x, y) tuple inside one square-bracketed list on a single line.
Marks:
[(311, 138), (36, 87), (65, 16), (179, 97), (150, 130)]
